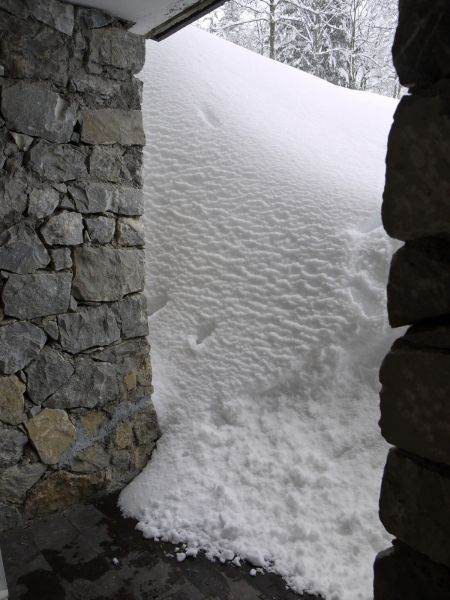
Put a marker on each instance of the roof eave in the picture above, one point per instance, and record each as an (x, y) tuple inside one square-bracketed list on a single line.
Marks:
[(187, 16)]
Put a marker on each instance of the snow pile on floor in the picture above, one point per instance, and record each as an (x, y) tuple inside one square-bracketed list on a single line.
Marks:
[(267, 268)]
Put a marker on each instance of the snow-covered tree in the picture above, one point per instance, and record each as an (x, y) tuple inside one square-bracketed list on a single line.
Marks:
[(346, 42)]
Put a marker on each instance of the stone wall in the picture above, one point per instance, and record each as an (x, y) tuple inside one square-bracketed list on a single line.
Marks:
[(76, 418), (415, 375)]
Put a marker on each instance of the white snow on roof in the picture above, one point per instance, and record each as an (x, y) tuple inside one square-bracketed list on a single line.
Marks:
[(147, 14), (267, 267)]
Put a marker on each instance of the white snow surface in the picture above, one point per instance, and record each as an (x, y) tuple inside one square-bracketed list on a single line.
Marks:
[(267, 268)]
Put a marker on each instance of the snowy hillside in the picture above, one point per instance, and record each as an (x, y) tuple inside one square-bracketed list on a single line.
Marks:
[(266, 282)]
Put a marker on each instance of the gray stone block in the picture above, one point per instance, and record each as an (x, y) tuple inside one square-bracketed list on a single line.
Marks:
[(100, 229), (98, 92), (13, 199), (107, 274), (20, 343), (53, 13), (417, 194), (12, 442), (403, 574), (43, 202), (58, 162), (33, 108), (415, 504), (47, 374), (101, 198), (39, 295), (91, 386), (93, 18), (61, 258), (114, 47), (31, 50), (421, 50), (133, 316), (112, 126), (419, 282), (415, 411), (15, 481), (87, 328), (21, 250), (130, 232), (65, 229)]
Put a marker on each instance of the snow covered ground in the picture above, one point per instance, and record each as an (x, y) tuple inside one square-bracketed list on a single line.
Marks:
[(267, 267)]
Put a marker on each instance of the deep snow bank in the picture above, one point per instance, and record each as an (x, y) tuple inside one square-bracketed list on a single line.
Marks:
[(266, 278)]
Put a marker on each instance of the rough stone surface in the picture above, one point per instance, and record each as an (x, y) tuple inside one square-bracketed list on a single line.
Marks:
[(16, 481), (60, 258), (98, 92), (11, 400), (12, 442), (93, 18), (100, 229), (9, 516), (62, 162), (415, 504), (93, 421), (133, 316), (48, 116), (88, 327), (91, 460), (52, 434), (43, 202), (421, 48), (20, 343), (107, 274), (29, 50), (21, 250), (107, 164), (112, 47), (56, 14), (415, 411), (92, 385), (417, 193), (65, 228), (50, 326), (112, 126), (400, 574), (47, 374), (13, 199), (100, 198), (130, 232), (419, 282), (39, 295), (62, 489)]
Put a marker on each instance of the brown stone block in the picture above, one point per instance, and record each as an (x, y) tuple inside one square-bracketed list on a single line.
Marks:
[(415, 407), (422, 47), (419, 282), (61, 490), (417, 193), (403, 574), (415, 504)]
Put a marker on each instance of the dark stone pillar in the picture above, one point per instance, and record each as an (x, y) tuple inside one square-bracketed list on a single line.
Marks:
[(76, 418), (415, 376)]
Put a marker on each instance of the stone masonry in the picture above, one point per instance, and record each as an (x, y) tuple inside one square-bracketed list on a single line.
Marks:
[(76, 418), (415, 375)]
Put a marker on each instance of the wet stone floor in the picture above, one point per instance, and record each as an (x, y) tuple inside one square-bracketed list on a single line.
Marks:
[(71, 556)]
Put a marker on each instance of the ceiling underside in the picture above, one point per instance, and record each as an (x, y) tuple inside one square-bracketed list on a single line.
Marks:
[(156, 19)]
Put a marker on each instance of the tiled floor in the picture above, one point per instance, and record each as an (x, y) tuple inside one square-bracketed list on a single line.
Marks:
[(70, 557)]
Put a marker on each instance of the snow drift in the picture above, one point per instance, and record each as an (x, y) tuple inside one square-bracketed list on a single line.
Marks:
[(267, 267)]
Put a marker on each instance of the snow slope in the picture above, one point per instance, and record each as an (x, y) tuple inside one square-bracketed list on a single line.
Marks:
[(266, 282)]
